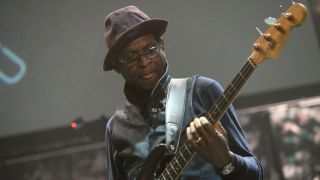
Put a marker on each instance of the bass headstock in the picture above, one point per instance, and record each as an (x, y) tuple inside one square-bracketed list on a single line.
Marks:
[(272, 41)]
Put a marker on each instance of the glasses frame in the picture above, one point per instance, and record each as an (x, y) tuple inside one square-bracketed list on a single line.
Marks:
[(135, 57)]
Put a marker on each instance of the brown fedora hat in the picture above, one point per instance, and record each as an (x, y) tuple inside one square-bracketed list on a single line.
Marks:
[(125, 25)]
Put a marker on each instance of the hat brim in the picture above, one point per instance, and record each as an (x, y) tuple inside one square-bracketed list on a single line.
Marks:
[(153, 26)]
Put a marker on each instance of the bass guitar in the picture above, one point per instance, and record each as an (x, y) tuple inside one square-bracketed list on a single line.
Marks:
[(267, 46)]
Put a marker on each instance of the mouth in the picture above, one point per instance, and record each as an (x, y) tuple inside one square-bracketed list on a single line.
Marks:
[(147, 76)]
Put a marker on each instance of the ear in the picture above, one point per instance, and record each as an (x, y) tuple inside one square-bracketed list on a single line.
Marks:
[(161, 43)]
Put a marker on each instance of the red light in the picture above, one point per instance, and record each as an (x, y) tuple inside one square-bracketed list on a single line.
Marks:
[(74, 125)]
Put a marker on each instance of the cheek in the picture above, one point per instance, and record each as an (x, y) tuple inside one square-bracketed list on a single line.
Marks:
[(161, 63), (129, 75)]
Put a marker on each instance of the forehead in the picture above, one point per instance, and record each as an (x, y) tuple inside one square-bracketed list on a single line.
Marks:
[(140, 43)]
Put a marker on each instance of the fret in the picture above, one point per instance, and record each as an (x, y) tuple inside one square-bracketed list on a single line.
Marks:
[(251, 63), (241, 75), (185, 155), (225, 104), (188, 150), (223, 95), (168, 174), (227, 93), (245, 74), (163, 176), (237, 82), (231, 85), (173, 169), (189, 145), (216, 112), (221, 103), (178, 163), (210, 118), (182, 156), (218, 109), (234, 91), (179, 159), (175, 165), (240, 84)]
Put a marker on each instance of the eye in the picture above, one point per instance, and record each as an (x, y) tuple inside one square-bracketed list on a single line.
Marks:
[(132, 57), (152, 52), (126, 58)]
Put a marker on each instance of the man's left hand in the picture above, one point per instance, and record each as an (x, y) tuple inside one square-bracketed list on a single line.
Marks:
[(210, 141)]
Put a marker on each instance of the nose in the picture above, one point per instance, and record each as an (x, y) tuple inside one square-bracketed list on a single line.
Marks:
[(143, 61)]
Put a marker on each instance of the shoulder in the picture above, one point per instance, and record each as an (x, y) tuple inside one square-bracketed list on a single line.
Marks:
[(204, 84), (122, 115)]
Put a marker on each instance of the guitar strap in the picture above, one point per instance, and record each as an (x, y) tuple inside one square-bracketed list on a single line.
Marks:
[(175, 107)]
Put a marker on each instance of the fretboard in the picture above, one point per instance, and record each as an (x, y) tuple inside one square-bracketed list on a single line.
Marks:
[(186, 152)]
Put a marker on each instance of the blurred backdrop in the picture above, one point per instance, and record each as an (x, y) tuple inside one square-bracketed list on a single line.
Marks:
[(55, 98)]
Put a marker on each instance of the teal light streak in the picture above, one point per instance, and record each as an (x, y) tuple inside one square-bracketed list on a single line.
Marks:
[(11, 56)]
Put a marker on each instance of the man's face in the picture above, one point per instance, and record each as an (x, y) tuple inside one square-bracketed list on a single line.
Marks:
[(142, 62)]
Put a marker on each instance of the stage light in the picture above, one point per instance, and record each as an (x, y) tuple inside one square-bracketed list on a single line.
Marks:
[(76, 123)]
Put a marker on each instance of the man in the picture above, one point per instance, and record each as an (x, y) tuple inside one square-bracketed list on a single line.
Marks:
[(136, 51)]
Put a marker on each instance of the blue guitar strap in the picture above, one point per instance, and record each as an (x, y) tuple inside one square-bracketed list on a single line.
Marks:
[(175, 107)]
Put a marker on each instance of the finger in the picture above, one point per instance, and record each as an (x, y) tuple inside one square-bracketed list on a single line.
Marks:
[(222, 138), (218, 126), (200, 130), (193, 131), (208, 127), (215, 131), (210, 130), (205, 122), (196, 138), (190, 138)]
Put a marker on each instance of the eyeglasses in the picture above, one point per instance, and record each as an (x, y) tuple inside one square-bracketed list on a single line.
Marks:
[(130, 59)]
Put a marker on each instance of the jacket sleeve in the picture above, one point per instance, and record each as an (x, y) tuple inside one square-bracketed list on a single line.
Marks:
[(246, 165)]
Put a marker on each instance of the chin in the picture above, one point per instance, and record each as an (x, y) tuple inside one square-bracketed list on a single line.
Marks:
[(148, 86)]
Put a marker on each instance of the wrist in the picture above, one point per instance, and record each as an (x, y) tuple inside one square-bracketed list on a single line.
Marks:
[(229, 167)]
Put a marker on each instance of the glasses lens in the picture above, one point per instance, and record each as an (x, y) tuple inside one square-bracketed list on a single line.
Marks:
[(152, 52), (128, 58), (132, 58)]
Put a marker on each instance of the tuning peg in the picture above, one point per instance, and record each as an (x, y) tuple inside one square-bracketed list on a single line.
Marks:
[(257, 47), (259, 31), (267, 37), (288, 16), (278, 26)]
